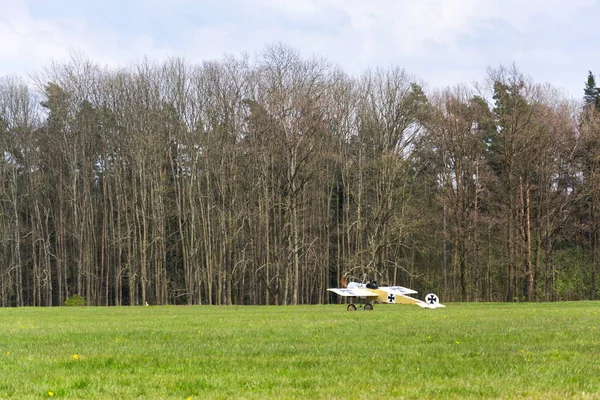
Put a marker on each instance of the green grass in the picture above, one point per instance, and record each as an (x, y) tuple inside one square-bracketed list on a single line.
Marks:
[(462, 351)]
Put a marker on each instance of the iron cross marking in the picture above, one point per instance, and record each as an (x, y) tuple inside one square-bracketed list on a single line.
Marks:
[(432, 299), (391, 298)]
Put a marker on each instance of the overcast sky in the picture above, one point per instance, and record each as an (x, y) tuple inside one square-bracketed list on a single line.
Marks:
[(442, 42)]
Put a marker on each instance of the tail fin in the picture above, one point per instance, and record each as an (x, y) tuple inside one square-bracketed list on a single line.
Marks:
[(431, 301)]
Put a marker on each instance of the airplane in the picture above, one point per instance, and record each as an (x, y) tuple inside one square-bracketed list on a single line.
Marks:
[(384, 294)]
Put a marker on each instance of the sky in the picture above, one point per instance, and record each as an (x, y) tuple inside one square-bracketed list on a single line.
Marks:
[(441, 42)]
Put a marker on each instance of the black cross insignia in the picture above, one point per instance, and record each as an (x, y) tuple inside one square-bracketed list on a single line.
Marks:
[(391, 298), (432, 299)]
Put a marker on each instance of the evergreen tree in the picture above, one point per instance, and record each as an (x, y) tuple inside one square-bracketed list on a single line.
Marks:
[(591, 92)]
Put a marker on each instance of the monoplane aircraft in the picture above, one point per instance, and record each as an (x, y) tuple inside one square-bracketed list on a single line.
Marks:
[(373, 293)]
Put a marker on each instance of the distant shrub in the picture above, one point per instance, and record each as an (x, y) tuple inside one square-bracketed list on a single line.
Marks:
[(75, 301)]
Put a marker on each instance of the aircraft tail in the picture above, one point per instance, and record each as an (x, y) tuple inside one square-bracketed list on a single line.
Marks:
[(431, 301)]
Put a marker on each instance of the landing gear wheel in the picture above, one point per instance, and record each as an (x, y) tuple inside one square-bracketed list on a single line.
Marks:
[(368, 306), (351, 307)]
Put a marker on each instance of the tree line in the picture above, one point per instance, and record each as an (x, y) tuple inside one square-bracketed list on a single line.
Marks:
[(266, 181)]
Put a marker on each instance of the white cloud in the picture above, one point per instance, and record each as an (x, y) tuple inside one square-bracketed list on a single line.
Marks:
[(442, 41), (28, 43)]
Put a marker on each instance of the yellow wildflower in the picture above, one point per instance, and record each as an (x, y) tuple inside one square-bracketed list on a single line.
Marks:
[(75, 356), (50, 394)]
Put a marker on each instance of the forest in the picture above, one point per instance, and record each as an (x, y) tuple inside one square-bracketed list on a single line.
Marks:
[(266, 179)]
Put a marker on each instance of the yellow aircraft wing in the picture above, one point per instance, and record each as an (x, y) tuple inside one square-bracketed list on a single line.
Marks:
[(397, 290)]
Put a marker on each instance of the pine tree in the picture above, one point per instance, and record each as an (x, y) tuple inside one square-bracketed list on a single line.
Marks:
[(591, 92)]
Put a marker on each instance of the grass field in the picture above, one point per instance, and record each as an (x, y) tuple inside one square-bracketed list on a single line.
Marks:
[(547, 350)]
